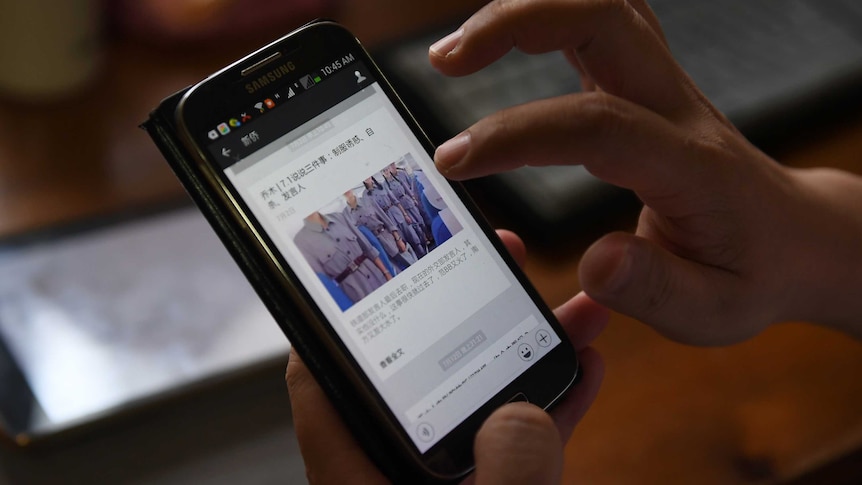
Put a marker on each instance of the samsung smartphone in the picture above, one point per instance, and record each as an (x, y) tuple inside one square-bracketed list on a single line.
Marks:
[(401, 300)]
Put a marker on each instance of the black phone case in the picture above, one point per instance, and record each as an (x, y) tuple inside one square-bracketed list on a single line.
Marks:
[(162, 129)]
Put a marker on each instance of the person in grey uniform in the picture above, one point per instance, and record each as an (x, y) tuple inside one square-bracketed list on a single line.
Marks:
[(411, 184), (368, 214), (406, 180), (401, 193), (390, 205), (334, 247)]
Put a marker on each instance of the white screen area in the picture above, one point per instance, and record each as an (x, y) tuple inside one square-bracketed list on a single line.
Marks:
[(395, 262)]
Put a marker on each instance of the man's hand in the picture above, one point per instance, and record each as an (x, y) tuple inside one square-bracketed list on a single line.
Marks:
[(519, 443), (728, 241)]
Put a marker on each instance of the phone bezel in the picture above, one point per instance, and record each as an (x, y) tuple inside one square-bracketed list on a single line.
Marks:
[(451, 457)]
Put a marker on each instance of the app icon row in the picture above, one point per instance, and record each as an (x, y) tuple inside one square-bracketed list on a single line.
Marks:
[(224, 128)]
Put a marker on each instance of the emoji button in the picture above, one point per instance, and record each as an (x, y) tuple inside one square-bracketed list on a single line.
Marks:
[(525, 352)]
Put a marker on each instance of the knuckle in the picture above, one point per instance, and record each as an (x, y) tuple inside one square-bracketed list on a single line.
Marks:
[(600, 116), (603, 114), (617, 7), (719, 242), (503, 122), (296, 376), (658, 290), (612, 9), (495, 129), (505, 9), (642, 8)]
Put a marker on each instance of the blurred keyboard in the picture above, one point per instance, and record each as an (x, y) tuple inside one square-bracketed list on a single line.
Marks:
[(759, 61)]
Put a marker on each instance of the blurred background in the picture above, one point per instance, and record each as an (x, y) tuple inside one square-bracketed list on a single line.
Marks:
[(133, 351)]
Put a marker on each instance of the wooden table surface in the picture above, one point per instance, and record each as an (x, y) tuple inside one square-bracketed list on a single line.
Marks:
[(773, 408)]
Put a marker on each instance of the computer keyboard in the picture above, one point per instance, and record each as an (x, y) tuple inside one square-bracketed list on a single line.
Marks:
[(757, 60), (748, 56)]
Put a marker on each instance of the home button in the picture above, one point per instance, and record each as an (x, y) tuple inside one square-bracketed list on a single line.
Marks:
[(519, 397)]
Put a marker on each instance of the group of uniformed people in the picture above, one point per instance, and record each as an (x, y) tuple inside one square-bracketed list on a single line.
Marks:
[(376, 236), (398, 197)]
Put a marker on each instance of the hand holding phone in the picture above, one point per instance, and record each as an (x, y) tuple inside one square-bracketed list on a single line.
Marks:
[(305, 162), (332, 455)]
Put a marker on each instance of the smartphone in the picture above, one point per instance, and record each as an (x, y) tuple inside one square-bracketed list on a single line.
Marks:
[(399, 297)]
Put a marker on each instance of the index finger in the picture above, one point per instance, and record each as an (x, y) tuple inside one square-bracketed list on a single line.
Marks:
[(616, 46)]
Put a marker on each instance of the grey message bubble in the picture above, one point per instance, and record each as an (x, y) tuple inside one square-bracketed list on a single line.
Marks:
[(461, 351)]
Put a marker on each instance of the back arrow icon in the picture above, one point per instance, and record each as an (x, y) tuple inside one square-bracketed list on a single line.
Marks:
[(225, 152)]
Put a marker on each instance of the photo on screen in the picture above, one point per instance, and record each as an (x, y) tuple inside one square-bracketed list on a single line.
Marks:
[(375, 230)]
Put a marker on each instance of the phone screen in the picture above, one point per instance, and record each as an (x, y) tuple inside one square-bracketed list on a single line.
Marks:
[(409, 281)]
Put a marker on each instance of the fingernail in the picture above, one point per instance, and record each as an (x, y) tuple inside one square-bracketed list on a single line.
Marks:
[(618, 278), (446, 45), (450, 153), (606, 267)]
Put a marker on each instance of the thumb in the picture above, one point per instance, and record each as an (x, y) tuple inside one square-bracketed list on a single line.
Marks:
[(683, 299), (519, 443)]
